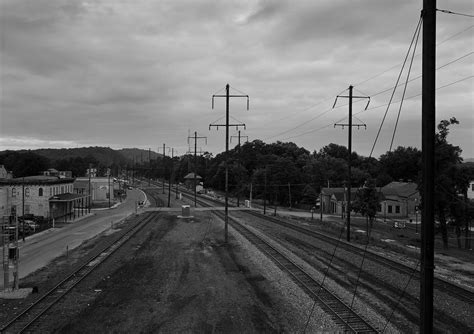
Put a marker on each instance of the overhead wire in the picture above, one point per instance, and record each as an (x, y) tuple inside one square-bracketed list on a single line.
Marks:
[(404, 90), (418, 27), (454, 13), (372, 95)]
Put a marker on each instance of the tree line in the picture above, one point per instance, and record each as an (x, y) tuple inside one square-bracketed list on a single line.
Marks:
[(285, 174)]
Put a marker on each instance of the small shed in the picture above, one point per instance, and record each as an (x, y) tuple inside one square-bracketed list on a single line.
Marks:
[(190, 178)]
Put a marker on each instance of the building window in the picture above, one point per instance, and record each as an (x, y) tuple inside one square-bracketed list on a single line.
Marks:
[(50, 191), (397, 209), (62, 189), (389, 209), (13, 192), (40, 192), (27, 192)]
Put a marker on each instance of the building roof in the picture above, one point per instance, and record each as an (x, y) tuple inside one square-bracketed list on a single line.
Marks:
[(401, 189), (66, 197), (36, 180), (190, 176), (338, 193)]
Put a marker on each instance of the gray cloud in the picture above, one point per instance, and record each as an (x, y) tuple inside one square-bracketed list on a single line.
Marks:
[(139, 73)]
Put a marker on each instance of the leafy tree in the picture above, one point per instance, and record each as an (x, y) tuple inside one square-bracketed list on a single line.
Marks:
[(24, 163), (401, 164), (366, 202), (447, 161)]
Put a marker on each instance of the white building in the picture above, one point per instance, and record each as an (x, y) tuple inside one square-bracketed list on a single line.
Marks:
[(470, 190)]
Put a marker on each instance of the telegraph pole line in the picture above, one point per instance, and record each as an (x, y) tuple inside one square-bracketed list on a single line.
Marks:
[(196, 138), (164, 156), (227, 98), (428, 128), (239, 150), (169, 180), (239, 136), (349, 147)]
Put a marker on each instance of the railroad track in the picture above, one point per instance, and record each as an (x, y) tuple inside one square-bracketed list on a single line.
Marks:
[(341, 313), (442, 285), (29, 319)]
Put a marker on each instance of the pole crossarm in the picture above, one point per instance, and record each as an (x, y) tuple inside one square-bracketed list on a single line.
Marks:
[(353, 97), (227, 125), (228, 96), (246, 138), (358, 125)]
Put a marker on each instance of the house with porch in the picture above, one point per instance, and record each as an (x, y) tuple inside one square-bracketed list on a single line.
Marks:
[(38, 196)]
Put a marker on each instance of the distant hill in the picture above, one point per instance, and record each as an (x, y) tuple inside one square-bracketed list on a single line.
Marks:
[(104, 155), (469, 160), (138, 154)]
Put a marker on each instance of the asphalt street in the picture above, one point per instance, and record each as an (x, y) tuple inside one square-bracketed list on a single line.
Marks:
[(38, 250)]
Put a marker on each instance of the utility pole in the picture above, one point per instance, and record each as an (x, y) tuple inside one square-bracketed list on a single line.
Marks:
[(239, 136), (196, 138), (238, 148), (227, 98), (90, 195), (169, 180), (149, 165), (23, 209), (289, 193), (428, 128), (265, 193), (108, 176), (349, 157), (164, 155)]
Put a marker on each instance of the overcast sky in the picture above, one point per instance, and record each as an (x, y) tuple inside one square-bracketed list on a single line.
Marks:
[(133, 73)]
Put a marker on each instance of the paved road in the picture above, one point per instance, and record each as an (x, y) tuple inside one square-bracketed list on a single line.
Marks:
[(38, 250)]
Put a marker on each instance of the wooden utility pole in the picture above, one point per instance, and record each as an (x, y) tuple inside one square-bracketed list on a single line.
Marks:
[(196, 138), (349, 156), (428, 128), (238, 149), (164, 155), (149, 166), (169, 180), (227, 98)]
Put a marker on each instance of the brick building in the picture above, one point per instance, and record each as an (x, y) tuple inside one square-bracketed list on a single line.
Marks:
[(38, 196)]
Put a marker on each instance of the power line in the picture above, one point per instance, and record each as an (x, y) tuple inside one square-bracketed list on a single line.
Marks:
[(404, 90), (362, 82), (372, 108), (418, 27), (454, 13)]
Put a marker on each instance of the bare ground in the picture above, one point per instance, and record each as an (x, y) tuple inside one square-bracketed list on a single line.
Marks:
[(176, 276)]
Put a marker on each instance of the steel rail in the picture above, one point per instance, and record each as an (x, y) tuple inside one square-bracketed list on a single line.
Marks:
[(440, 284), (342, 314), (23, 321)]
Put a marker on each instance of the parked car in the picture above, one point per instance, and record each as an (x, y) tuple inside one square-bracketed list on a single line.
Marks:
[(399, 224)]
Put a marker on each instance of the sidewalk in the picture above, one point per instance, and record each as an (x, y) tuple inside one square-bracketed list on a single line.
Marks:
[(39, 249)]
